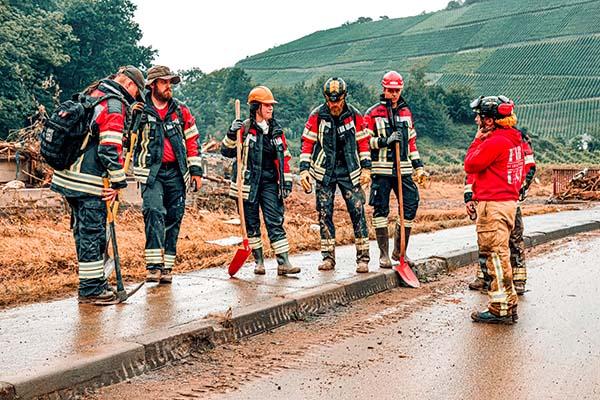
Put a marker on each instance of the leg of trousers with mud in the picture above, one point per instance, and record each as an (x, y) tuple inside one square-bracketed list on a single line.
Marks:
[(355, 204), (495, 221), (517, 249)]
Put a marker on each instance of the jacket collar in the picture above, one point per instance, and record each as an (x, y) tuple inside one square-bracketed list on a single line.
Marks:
[(150, 109), (110, 86)]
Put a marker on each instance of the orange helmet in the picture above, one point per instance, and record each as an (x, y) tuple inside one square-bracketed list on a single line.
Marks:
[(392, 80), (261, 94)]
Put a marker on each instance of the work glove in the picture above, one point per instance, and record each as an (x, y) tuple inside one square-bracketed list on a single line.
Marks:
[(522, 193), (236, 125), (305, 181), (365, 177), (421, 176), (287, 190), (395, 137), (471, 210)]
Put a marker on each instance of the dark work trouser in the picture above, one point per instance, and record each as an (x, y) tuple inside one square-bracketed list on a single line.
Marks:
[(163, 206), (381, 188), (355, 201), (517, 253), (88, 222), (268, 200)]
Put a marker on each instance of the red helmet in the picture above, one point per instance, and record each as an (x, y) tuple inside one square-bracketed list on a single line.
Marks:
[(392, 80)]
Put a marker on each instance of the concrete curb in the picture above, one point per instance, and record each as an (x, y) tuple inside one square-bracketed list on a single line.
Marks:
[(141, 354)]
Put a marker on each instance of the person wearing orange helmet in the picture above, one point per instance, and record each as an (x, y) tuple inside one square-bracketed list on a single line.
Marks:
[(383, 156), (335, 153), (267, 180)]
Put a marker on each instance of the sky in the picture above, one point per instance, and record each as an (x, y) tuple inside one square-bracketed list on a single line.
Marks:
[(217, 33)]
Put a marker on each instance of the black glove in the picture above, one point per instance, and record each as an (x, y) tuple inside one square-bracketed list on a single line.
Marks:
[(236, 125), (287, 190), (395, 137)]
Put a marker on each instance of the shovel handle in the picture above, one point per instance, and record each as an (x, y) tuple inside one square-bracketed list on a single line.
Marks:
[(400, 203), (239, 179)]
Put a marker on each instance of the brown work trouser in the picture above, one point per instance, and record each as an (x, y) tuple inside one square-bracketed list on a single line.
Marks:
[(495, 221)]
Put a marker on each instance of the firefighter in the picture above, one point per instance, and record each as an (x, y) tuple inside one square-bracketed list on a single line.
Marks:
[(82, 183), (383, 156), (267, 180), (495, 158), (516, 242), (166, 161), (335, 153)]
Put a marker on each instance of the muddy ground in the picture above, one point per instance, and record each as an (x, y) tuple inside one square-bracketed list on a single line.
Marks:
[(37, 254)]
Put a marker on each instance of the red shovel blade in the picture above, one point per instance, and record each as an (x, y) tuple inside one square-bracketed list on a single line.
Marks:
[(407, 274), (241, 255)]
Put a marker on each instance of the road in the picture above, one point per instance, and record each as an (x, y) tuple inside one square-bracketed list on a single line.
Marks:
[(408, 344)]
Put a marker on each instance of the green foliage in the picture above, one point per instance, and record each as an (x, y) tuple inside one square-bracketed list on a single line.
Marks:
[(107, 38), (32, 45)]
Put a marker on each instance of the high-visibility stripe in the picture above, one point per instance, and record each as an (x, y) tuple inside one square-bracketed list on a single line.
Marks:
[(309, 135), (380, 222), (79, 177), (91, 269), (111, 137), (365, 155), (529, 159), (191, 132), (414, 155), (169, 261), (281, 246), (374, 143), (255, 243), (228, 142), (288, 177), (141, 171), (117, 175), (194, 161), (361, 243), (361, 135), (77, 186)]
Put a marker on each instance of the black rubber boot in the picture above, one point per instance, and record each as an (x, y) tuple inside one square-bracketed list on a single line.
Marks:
[(259, 267), (284, 267), (384, 247)]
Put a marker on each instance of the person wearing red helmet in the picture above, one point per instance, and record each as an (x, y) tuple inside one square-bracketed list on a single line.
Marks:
[(267, 179), (495, 159), (383, 155)]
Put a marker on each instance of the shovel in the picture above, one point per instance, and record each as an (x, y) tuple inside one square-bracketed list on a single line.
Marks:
[(241, 255), (402, 268)]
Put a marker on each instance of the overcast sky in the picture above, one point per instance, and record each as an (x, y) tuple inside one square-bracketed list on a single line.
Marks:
[(218, 33)]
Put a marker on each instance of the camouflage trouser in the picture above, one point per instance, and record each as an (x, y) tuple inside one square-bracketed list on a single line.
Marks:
[(495, 221), (379, 198), (163, 206), (88, 222), (355, 201), (269, 201), (517, 253)]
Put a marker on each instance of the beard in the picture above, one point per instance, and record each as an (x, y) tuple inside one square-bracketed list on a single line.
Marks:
[(165, 95), (336, 110)]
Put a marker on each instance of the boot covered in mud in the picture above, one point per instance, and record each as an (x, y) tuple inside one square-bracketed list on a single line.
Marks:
[(396, 252), (328, 264), (384, 246), (487, 317), (284, 267), (259, 267), (478, 284)]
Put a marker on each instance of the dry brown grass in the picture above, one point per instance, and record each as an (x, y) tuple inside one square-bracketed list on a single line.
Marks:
[(37, 254)]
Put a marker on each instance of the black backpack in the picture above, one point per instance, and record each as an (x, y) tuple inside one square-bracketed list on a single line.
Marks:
[(64, 138)]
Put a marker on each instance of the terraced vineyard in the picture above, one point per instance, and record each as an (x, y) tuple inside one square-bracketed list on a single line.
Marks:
[(543, 53)]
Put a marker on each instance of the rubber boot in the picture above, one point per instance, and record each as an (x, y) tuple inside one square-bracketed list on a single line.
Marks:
[(478, 284), (259, 267), (384, 245), (284, 267), (487, 317), (327, 265), (410, 262), (396, 252), (153, 275), (166, 276), (519, 287)]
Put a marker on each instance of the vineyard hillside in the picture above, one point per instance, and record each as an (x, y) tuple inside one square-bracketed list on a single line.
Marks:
[(543, 53)]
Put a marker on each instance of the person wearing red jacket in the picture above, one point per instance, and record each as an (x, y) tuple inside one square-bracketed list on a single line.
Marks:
[(166, 161), (383, 159), (266, 181), (335, 153), (516, 242), (495, 159)]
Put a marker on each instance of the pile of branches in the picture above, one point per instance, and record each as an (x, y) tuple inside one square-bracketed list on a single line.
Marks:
[(583, 186), (25, 144)]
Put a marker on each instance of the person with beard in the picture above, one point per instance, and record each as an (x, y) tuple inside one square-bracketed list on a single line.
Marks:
[(495, 159), (383, 155), (166, 161), (82, 183), (335, 153), (266, 181)]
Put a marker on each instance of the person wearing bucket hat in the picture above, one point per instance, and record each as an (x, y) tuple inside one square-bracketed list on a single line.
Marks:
[(82, 184), (335, 153), (495, 161), (266, 177), (166, 160)]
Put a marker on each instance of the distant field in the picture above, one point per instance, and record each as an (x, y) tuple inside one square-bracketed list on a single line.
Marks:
[(543, 53)]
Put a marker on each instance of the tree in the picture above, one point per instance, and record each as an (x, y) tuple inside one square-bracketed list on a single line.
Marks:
[(107, 38), (457, 100), (34, 42)]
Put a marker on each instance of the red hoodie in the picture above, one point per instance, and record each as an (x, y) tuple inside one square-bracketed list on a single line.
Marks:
[(497, 165)]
